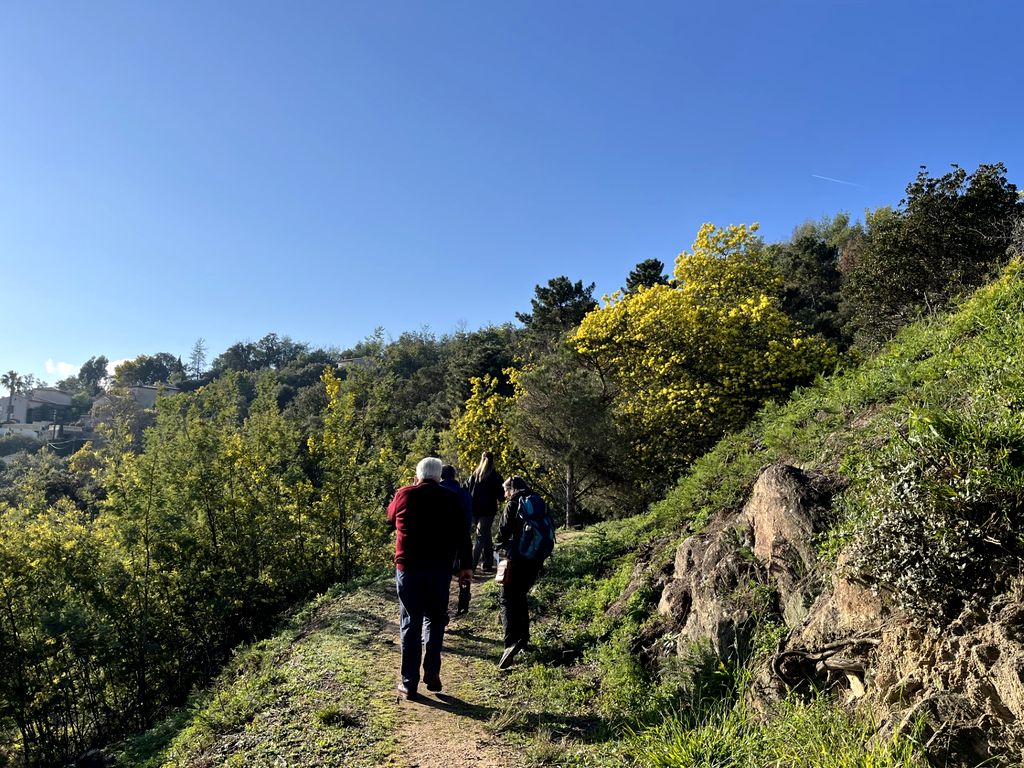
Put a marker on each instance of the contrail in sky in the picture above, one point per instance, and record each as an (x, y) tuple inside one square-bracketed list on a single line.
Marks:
[(837, 181)]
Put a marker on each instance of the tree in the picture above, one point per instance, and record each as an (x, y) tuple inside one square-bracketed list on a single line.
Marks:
[(695, 360), (483, 426), (646, 274), (147, 370), (93, 374), (197, 359), (272, 351), (561, 416), (359, 468), (949, 235), (13, 381), (557, 307), (811, 281)]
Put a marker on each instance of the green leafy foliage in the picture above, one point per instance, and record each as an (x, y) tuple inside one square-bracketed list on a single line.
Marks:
[(646, 274), (127, 577), (557, 307), (148, 370), (949, 235), (811, 281), (944, 507)]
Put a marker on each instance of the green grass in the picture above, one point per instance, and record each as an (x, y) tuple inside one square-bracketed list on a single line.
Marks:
[(318, 693), (794, 734)]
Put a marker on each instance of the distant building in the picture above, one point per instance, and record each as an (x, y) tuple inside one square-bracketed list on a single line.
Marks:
[(128, 401), (40, 407)]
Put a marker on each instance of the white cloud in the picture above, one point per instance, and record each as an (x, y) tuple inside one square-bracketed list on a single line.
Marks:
[(63, 370), (112, 365)]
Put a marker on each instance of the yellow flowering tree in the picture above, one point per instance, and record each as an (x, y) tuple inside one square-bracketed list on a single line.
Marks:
[(694, 360), (483, 426)]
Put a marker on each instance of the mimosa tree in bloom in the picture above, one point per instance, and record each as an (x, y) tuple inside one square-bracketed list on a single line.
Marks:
[(695, 359), (483, 426)]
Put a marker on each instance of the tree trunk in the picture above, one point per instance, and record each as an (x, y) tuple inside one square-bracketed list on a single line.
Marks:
[(570, 495)]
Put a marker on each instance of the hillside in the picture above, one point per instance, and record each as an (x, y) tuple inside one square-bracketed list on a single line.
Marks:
[(910, 478)]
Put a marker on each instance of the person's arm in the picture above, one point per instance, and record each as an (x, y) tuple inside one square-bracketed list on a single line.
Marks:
[(393, 511), (499, 489), (506, 527)]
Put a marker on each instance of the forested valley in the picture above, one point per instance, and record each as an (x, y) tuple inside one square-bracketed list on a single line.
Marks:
[(131, 569)]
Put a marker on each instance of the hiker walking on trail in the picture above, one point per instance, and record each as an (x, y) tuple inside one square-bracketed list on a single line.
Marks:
[(485, 486), (431, 531), (526, 536), (448, 481)]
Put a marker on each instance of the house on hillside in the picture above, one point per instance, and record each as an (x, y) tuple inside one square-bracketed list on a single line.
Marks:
[(42, 414), (40, 407), (133, 402)]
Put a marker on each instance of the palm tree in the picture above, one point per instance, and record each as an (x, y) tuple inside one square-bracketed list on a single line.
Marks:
[(12, 381)]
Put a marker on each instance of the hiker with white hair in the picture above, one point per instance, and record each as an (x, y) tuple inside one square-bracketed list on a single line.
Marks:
[(431, 530)]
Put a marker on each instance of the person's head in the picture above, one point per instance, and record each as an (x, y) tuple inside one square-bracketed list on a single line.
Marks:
[(485, 467), (448, 472), (429, 469), (514, 485)]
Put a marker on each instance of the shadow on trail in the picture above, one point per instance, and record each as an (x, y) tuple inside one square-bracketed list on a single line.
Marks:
[(457, 706), (472, 645)]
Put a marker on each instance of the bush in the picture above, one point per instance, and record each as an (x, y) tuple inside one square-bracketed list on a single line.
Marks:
[(11, 444), (945, 504)]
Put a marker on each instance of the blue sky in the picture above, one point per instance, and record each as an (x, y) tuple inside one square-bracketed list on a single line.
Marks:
[(177, 170)]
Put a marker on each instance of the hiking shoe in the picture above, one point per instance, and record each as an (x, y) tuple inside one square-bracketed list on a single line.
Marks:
[(506, 658), (409, 694), (433, 681)]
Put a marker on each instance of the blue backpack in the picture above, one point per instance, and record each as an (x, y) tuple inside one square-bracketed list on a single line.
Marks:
[(538, 537)]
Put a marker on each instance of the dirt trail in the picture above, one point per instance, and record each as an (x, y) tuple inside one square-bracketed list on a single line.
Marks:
[(448, 729)]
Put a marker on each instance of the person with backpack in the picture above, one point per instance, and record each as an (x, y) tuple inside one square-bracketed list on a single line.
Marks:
[(485, 486), (526, 536)]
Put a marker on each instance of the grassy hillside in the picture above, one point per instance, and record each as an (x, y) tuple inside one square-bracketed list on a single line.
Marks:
[(596, 690)]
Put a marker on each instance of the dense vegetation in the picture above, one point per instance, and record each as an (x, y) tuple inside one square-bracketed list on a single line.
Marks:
[(130, 570), (928, 439)]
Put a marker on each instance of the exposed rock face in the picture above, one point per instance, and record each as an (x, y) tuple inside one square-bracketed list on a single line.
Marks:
[(965, 682), (961, 685), (769, 544), (701, 600), (787, 506)]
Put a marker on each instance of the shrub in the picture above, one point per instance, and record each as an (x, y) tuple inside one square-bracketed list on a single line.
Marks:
[(945, 504)]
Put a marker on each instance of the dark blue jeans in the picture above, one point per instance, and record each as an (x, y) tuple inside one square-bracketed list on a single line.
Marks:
[(423, 601)]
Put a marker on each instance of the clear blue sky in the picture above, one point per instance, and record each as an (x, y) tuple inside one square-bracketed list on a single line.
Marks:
[(175, 170)]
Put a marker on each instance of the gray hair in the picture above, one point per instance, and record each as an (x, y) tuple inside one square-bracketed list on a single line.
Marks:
[(429, 469)]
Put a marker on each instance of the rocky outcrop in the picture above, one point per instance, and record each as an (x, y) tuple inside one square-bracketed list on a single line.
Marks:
[(963, 684), (786, 508), (703, 600), (722, 577), (960, 687)]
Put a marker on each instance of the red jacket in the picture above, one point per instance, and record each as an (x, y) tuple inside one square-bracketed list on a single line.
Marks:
[(430, 525)]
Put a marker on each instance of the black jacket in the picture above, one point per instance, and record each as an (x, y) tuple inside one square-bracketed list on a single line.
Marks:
[(510, 525), (487, 494)]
